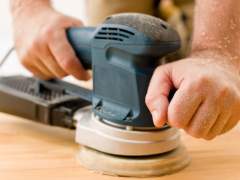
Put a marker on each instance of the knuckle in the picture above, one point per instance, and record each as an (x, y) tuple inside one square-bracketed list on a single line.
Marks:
[(189, 84), (61, 75), (35, 46), (209, 137), (44, 38), (201, 81), (148, 100), (196, 133), (25, 60), (224, 91), (47, 33), (158, 70), (67, 63), (175, 119), (175, 123), (176, 111)]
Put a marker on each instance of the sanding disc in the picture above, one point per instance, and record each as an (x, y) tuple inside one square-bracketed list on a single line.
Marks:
[(145, 166)]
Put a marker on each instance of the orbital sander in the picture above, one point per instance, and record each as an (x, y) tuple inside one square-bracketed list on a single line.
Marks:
[(113, 125)]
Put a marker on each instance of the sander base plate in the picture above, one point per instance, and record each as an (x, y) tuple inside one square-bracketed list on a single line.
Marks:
[(95, 133), (145, 166)]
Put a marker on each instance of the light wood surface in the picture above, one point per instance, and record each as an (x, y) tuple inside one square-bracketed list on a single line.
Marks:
[(31, 151)]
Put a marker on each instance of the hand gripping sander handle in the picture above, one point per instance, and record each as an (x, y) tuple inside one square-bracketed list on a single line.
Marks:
[(123, 53)]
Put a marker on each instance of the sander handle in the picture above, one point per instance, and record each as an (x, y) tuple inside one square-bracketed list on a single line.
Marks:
[(80, 40)]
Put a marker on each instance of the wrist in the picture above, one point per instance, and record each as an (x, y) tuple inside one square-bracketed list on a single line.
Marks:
[(217, 57)]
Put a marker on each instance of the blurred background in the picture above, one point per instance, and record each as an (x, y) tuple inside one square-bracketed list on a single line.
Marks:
[(12, 66)]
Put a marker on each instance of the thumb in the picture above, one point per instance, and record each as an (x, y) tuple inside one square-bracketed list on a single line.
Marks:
[(157, 94)]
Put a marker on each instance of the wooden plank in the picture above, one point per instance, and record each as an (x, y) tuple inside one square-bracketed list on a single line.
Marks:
[(30, 150)]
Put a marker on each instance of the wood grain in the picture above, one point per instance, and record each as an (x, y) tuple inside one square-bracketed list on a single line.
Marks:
[(31, 151)]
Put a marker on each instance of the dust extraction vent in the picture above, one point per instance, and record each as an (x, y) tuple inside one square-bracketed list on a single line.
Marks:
[(116, 34)]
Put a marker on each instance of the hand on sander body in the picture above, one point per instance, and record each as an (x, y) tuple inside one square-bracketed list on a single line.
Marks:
[(207, 101)]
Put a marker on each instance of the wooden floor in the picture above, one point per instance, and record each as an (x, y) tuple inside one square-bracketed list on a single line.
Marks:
[(31, 151)]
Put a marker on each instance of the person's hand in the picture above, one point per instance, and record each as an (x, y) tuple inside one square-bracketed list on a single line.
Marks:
[(42, 45), (207, 98)]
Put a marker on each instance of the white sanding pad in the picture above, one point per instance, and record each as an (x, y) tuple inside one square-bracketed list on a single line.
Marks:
[(145, 166), (98, 134)]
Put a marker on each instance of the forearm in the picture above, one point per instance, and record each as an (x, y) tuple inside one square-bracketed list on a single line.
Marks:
[(28, 7), (216, 28)]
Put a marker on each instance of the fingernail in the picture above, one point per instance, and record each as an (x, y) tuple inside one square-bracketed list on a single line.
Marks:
[(155, 116)]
